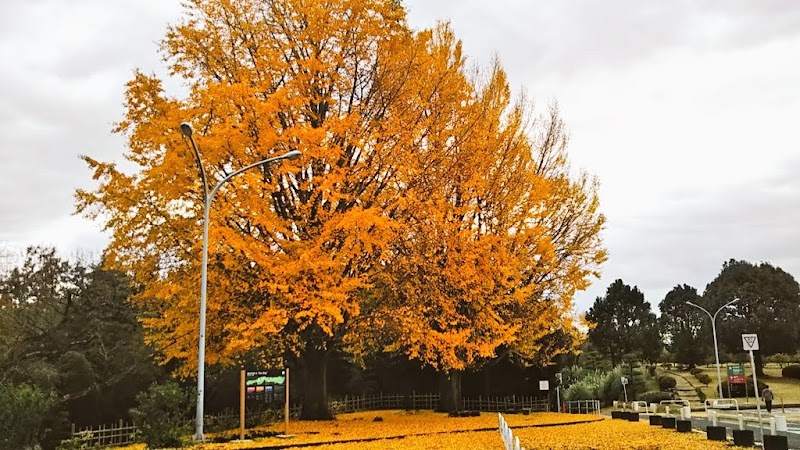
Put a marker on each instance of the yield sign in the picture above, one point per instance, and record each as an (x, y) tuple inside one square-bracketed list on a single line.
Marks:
[(750, 342)]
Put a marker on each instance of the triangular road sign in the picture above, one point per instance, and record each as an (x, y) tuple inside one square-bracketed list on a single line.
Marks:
[(750, 342)]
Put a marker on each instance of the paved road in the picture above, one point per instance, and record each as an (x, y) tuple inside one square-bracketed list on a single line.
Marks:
[(793, 434)]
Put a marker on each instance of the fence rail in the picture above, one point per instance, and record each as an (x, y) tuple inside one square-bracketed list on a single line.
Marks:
[(583, 407), (106, 435), (124, 433)]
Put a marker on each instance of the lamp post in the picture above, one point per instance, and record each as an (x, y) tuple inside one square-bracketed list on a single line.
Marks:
[(186, 129), (714, 332)]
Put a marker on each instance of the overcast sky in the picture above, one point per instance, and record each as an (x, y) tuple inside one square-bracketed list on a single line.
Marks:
[(686, 110)]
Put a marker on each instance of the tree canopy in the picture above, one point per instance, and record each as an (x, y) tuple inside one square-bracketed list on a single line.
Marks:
[(68, 329), (622, 322), (769, 306), (684, 327), (426, 195)]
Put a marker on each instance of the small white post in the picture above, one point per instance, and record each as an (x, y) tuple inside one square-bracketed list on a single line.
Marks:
[(772, 426), (516, 443), (780, 423), (741, 421)]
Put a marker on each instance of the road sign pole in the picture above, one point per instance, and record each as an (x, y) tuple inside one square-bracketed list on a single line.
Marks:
[(750, 343), (758, 400)]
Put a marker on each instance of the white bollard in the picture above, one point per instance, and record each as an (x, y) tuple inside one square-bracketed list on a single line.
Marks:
[(780, 423), (654, 407), (516, 443), (666, 410), (741, 421), (772, 426), (686, 413), (712, 416)]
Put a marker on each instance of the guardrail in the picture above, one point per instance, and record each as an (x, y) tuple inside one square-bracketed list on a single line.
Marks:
[(776, 422), (721, 403), (684, 408)]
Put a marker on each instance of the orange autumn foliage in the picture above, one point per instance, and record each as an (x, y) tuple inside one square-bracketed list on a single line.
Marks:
[(429, 213)]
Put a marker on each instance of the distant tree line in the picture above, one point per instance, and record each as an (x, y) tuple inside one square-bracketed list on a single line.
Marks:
[(622, 322)]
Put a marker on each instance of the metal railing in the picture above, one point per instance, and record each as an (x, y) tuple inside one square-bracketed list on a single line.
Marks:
[(583, 407)]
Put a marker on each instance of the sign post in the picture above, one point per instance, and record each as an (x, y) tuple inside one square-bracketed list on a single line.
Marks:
[(624, 381), (286, 404), (558, 391), (269, 386), (242, 388), (544, 385), (750, 343)]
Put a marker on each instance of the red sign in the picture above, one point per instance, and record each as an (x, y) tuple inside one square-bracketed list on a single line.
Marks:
[(737, 379)]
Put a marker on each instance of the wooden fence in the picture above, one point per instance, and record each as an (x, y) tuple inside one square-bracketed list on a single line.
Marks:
[(125, 433), (121, 433)]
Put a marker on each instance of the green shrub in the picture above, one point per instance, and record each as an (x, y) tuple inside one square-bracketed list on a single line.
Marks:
[(654, 396), (23, 411), (161, 410), (666, 382), (695, 371), (587, 388), (738, 390), (791, 372), (700, 394), (703, 378), (651, 370)]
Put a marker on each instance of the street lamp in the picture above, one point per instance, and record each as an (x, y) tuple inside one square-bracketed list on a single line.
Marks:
[(186, 129), (714, 331)]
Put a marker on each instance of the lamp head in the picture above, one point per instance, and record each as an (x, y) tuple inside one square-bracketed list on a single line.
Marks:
[(186, 129), (294, 154)]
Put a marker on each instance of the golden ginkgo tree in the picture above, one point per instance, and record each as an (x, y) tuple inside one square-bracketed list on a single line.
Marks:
[(407, 156)]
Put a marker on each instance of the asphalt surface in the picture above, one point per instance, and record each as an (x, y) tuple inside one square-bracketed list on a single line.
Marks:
[(792, 435)]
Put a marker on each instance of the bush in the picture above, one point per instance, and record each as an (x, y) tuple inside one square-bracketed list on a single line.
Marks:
[(703, 378), (651, 370), (611, 388), (587, 388), (161, 410), (700, 394), (666, 382), (738, 390), (791, 372), (654, 396), (695, 371), (23, 410)]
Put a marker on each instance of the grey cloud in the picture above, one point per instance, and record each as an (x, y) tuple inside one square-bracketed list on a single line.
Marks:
[(59, 97), (689, 239), (567, 37)]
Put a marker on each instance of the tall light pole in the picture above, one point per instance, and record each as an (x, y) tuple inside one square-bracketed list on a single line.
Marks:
[(714, 331), (186, 129)]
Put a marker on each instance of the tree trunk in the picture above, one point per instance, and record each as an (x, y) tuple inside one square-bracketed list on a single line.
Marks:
[(759, 364), (449, 391), (314, 363)]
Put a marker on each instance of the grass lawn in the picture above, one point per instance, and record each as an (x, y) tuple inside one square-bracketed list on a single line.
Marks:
[(786, 390), (427, 430)]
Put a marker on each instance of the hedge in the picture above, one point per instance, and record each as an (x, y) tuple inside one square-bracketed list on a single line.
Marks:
[(654, 396), (791, 372), (666, 382)]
